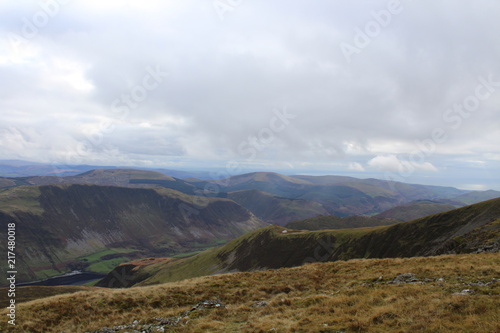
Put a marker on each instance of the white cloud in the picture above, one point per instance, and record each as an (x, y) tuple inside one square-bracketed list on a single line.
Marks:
[(355, 166), (392, 163), (474, 187)]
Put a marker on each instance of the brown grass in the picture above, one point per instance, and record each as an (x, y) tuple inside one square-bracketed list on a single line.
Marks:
[(343, 296)]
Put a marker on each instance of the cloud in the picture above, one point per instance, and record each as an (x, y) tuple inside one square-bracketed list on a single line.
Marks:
[(225, 78), (392, 163), (475, 187), (355, 166)]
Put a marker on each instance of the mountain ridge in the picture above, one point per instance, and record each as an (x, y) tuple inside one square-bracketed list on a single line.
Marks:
[(463, 230), (57, 224)]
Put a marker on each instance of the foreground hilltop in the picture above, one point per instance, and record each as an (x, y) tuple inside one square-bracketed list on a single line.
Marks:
[(453, 293)]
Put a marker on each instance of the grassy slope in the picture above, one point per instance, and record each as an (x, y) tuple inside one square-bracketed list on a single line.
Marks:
[(415, 210), (113, 177), (29, 293), (343, 296), (22, 198), (267, 247), (477, 196), (341, 196), (275, 209), (435, 234), (461, 230), (335, 222)]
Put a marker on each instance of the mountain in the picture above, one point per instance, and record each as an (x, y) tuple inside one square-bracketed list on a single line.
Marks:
[(17, 168), (277, 198), (336, 195), (452, 293), (464, 230), (276, 210), (114, 177), (64, 227), (477, 196), (341, 196), (330, 222), (416, 209)]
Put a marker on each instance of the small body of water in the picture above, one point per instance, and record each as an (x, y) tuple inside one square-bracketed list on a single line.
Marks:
[(71, 279)]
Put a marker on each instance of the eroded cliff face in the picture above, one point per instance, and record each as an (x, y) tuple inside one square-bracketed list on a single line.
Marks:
[(56, 225)]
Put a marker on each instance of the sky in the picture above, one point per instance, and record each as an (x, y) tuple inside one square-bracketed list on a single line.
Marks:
[(402, 90)]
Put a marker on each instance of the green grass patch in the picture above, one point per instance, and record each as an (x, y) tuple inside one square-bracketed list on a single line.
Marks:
[(106, 266), (94, 257), (98, 265), (46, 273), (91, 283), (187, 254)]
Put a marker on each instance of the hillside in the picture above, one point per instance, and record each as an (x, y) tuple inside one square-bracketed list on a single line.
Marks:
[(453, 293), (65, 227), (469, 229), (274, 209), (335, 222), (114, 177), (478, 196), (416, 209), (339, 195)]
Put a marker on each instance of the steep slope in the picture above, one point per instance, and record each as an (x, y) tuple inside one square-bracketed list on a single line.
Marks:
[(56, 225), (463, 230), (274, 209), (416, 209), (334, 222), (441, 233)]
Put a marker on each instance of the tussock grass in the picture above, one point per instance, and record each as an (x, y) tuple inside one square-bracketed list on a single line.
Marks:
[(347, 296)]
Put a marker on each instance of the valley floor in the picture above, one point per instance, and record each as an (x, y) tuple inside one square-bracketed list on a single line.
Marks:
[(452, 293)]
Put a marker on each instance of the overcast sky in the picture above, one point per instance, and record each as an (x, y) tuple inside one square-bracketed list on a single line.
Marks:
[(406, 90)]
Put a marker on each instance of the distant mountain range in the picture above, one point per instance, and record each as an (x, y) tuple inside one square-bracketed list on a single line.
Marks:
[(147, 227), (277, 198), (18, 168), (102, 217)]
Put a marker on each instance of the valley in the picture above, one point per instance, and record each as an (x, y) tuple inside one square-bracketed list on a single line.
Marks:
[(254, 252)]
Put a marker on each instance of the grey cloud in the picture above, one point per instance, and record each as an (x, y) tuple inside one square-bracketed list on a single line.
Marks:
[(225, 78)]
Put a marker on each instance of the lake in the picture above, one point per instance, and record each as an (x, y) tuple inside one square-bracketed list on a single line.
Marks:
[(73, 279)]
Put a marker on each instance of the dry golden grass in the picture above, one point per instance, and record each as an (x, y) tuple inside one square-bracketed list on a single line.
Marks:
[(343, 296), (29, 293)]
